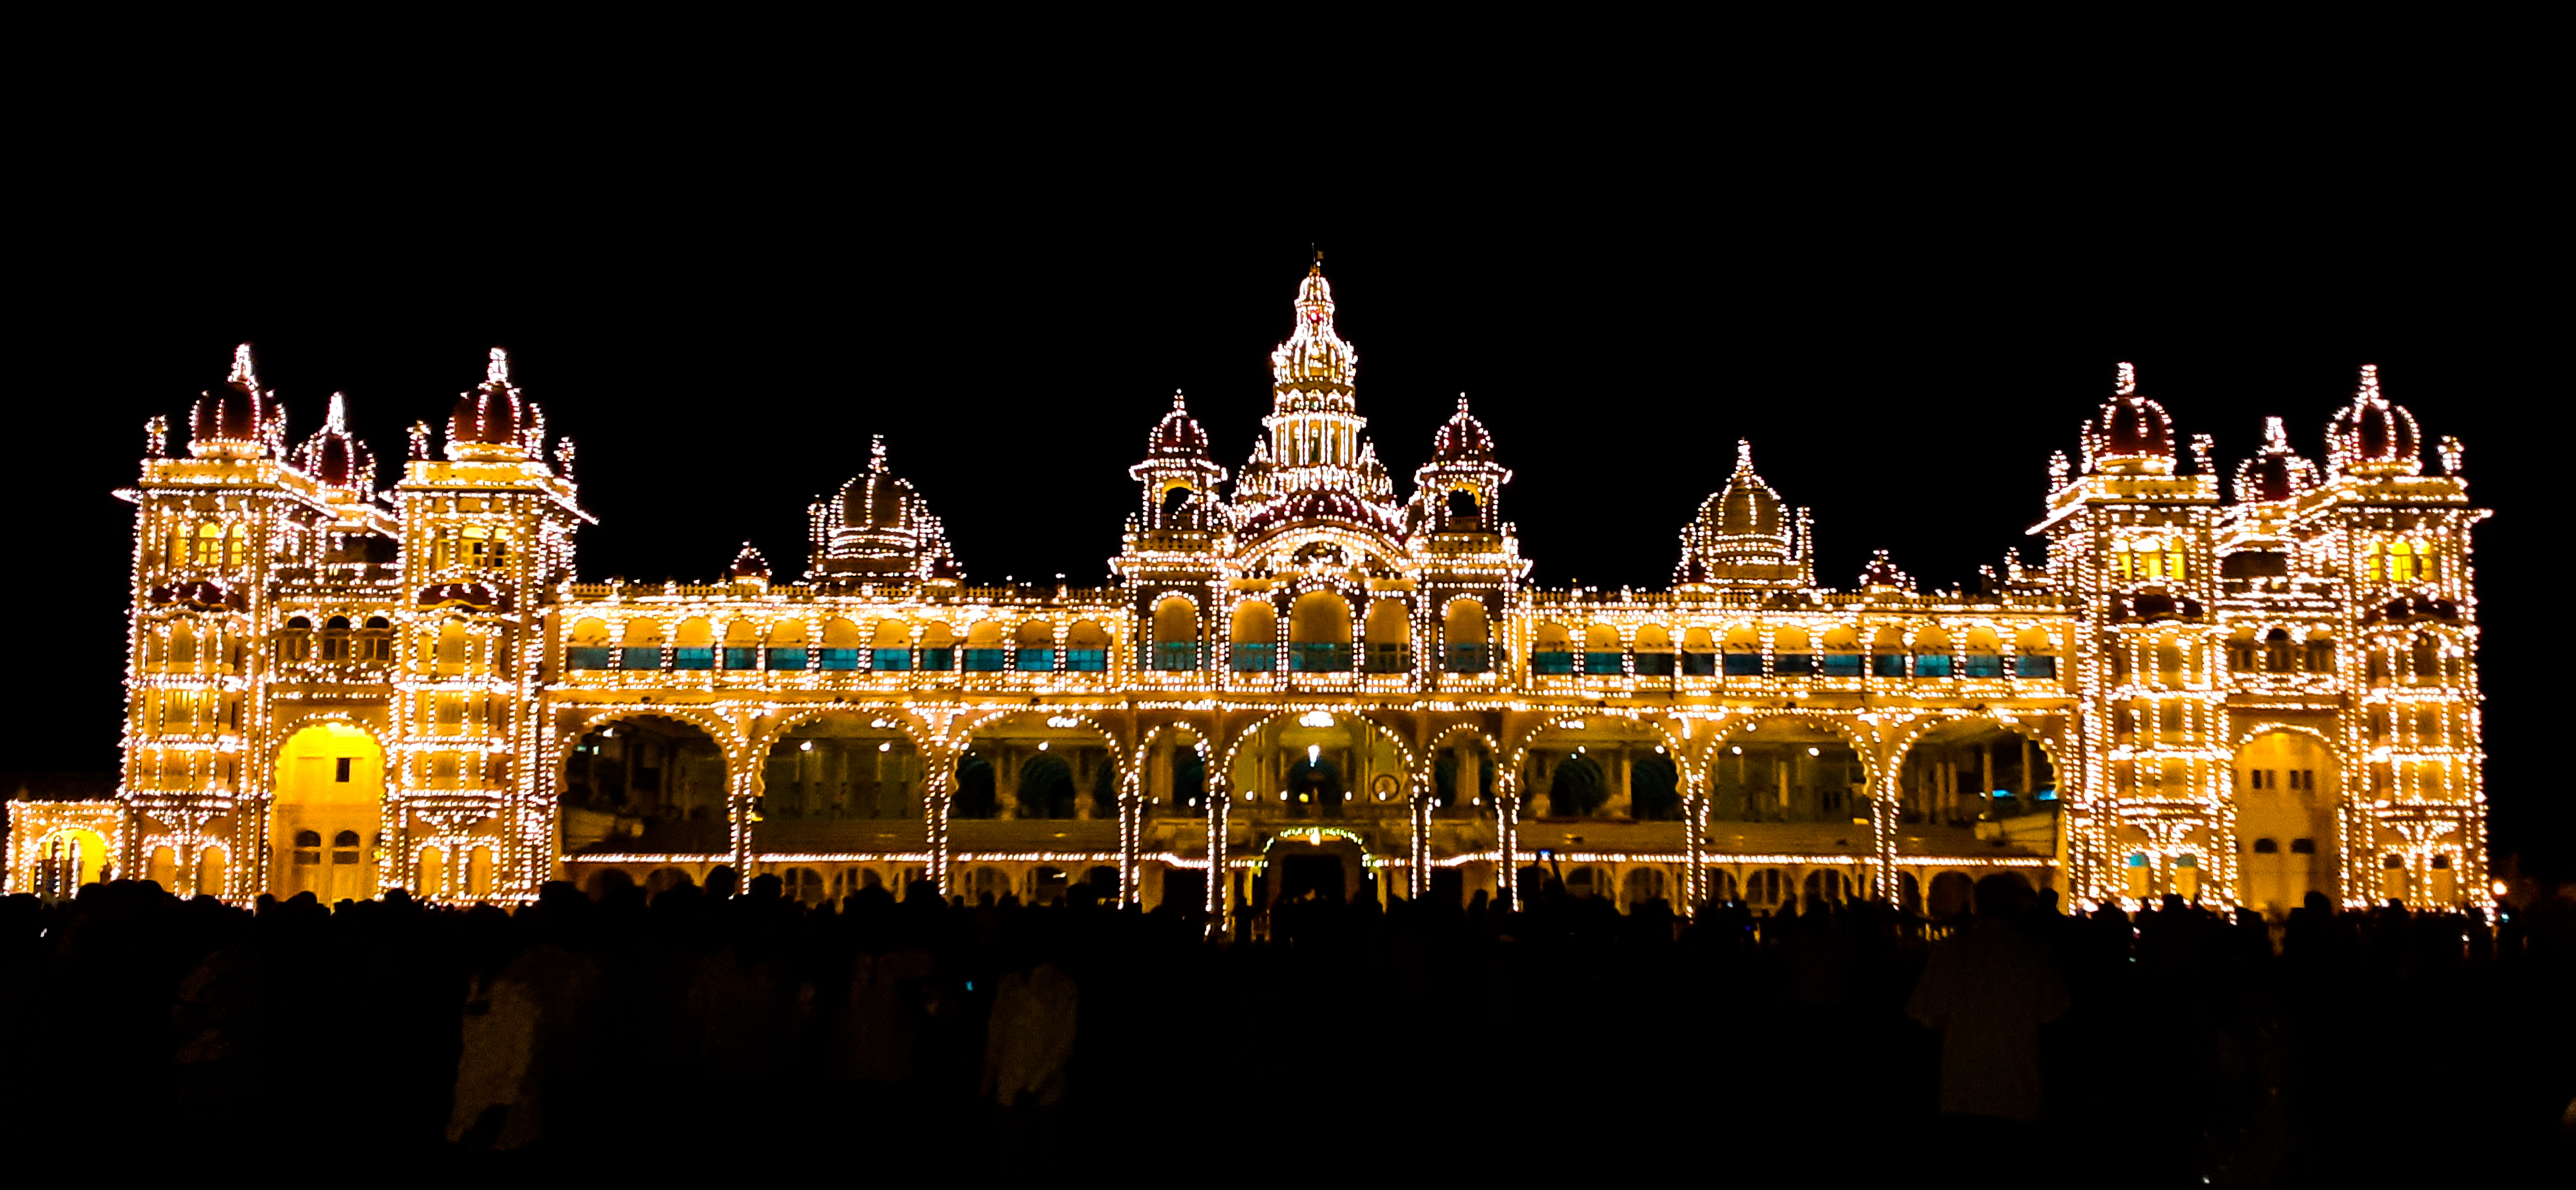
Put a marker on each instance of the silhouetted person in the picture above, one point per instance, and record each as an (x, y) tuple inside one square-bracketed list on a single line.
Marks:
[(1988, 989)]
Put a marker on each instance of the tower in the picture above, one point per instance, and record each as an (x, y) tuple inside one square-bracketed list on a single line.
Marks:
[(1172, 554), (1466, 557), (2132, 537), (487, 535)]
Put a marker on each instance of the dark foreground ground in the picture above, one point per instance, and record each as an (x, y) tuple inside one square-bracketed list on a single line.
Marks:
[(763, 1038)]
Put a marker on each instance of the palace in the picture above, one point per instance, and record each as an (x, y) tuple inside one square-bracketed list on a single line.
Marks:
[(1313, 680)]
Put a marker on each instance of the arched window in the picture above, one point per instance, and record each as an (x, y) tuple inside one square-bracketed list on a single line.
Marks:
[(1253, 638), (2278, 656), (1086, 647), (209, 546), (1931, 653), (1842, 653), (295, 642), (1793, 651), (1699, 653), (1319, 634), (1467, 649), (1176, 633), (694, 645), (984, 651), (2241, 651), (2424, 661), (1390, 637), (1655, 656), (455, 649), (786, 643), (1887, 654), (1601, 652), (1552, 651), (1984, 656), (890, 650), (1743, 652), (2171, 669), (335, 639), (937, 652), (741, 645), (2320, 653), (1033, 646), (375, 642), (640, 648), (587, 646), (840, 644), (2034, 654)]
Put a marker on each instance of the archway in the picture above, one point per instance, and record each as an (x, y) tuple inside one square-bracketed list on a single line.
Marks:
[(2287, 789), (1979, 775), (1175, 774), (843, 780), (1462, 777), (1592, 768), (646, 783), (1319, 765), (1037, 766), (326, 826), (1787, 770), (66, 859)]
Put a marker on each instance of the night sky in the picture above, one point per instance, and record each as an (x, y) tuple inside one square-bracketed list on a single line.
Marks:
[(1903, 350)]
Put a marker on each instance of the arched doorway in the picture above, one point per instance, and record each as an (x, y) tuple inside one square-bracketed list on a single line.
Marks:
[(842, 781), (1037, 766), (2287, 789), (646, 783), (65, 860), (1318, 765), (1787, 770), (1978, 783), (326, 826), (1599, 766), (1175, 774)]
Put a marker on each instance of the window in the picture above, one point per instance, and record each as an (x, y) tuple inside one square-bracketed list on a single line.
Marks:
[(340, 773), (2277, 651), (1172, 656), (2303, 780), (2303, 847), (1931, 665), (2259, 779), (895, 660), (1253, 657), (296, 642), (1034, 658), (1655, 665), (788, 657), (308, 848), (938, 658), (1081, 660), (2267, 846), (2035, 665), (2320, 655), (2442, 862), (1467, 657), (335, 639), (2392, 861), (1390, 657), (741, 656), (840, 658)]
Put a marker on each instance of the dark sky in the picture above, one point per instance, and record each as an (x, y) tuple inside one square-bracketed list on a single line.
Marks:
[(722, 332)]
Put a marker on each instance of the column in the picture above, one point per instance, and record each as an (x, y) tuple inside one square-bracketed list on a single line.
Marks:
[(1986, 761), (938, 784), (1006, 781), (1623, 791)]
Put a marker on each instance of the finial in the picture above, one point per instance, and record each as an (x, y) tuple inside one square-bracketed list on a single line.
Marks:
[(1179, 403), (1462, 403), (2128, 385), (2369, 392), (876, 452), (564, 453), (2276, 439), (2201, 445), (156, 437), (497, 371), (337, 420), (2058, 468), (1743, 454), (419, 440), (2450, 450), (243, 373)]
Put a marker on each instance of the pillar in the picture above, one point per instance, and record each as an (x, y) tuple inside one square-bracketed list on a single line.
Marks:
[(1006, 781), (1986, 759)]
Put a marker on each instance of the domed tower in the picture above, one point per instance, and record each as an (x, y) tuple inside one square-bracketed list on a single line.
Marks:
[(877, 530), (2254, 540), (1313, 465), (1178, 479), (2132, 435), (340, 465), (487, 537), (239, 419), (1466, 557), (2276, 473), (1745, 536), (1173, 552), (1460, 490), (2372, 436)]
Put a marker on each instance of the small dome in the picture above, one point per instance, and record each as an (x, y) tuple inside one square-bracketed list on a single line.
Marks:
[(1178, 434), (2372, 436), (494, 420), (335, 458), (1882, 574), (875, 498), (2132, 434), (1462, 438), (748, 564), (2277, 473), (237, 419)]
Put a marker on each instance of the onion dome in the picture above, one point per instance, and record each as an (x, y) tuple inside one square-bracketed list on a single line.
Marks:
[(1882, 575), (2372, 436), (748, 566), (1178, 435), (2277, 473), (876, 529), (239, 420), (495, 420), (875, 498), (1462, 438), (1747, 508), (1315, 354), (2132, 435), (335, 458), (1318, 504)]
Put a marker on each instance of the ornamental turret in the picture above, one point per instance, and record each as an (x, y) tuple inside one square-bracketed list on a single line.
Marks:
[(239, 419), (1460, 489), (2275, 473), (1177, 476), (340, 466), (2371, 436), (495, 422), (2132, 435), (1313, 468)]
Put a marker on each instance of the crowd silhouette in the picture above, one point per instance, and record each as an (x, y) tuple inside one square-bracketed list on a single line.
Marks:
[(2164, 1047)]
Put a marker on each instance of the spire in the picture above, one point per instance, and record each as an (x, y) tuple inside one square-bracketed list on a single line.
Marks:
[(2368, 393), (2127, 385), (243, 373), (496, 372), (1743, 455), (876, 452), (337, 420), (1315, 353), (2276, 437)]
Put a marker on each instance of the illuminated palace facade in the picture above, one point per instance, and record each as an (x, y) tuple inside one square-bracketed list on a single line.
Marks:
[(1311, 680)]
